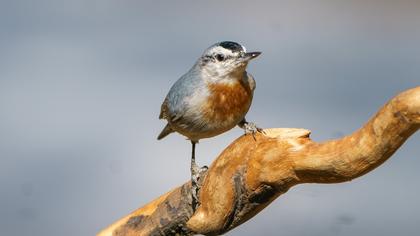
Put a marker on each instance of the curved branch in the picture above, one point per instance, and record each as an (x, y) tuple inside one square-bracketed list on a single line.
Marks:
[(249, 174)]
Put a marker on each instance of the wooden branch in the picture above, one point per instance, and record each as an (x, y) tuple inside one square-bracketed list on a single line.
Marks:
[(249, 174)]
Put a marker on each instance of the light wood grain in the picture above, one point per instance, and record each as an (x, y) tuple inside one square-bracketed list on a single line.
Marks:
[(249, 174)]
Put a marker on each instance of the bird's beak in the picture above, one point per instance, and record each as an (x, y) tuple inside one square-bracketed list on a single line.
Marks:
[(251, 55)]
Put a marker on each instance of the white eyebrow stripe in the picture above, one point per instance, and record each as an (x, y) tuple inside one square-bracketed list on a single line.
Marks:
[(221, 50)]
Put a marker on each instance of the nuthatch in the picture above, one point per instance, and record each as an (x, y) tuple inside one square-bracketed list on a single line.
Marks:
[(211, 98)]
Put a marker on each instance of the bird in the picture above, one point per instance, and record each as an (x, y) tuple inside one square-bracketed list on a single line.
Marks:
[(211, 98)]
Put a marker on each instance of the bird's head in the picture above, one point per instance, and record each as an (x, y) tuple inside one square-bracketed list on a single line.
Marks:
[(225, 59)]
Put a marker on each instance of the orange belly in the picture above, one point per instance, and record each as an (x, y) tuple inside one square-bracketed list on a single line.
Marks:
[(226, 105)]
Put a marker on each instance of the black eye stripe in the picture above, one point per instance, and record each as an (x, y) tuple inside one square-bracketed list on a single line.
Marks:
[(220, 57)]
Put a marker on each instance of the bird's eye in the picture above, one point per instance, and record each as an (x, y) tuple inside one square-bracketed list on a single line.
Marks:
[(220, 57)]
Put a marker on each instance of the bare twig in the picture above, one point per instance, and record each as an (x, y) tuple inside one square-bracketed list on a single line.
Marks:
[(249, 174)]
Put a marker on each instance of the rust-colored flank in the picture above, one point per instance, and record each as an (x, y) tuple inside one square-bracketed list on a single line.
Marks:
[(227, 102)]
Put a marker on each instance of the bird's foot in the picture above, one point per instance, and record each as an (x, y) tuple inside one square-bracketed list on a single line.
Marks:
[(252, 128), (196, 181)]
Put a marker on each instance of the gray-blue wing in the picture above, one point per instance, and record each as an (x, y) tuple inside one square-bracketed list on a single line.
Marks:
[(174, 106)]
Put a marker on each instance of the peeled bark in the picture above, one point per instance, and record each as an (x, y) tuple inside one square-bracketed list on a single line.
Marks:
[(249, 174)]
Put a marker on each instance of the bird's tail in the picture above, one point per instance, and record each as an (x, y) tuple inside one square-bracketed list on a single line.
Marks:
[(167, 130)]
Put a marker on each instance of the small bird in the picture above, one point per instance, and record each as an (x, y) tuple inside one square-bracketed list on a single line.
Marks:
[(211, 98)]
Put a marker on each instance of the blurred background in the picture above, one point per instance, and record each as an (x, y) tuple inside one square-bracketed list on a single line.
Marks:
[(81, 84)]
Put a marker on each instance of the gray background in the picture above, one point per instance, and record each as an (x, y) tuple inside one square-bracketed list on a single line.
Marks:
[(81, 83)]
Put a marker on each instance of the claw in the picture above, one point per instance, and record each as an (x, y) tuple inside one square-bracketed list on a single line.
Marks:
[(252, 128), (261, 130), (202, 170)]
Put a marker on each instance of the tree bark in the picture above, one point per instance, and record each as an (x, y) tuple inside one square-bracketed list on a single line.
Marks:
[(250, 173)]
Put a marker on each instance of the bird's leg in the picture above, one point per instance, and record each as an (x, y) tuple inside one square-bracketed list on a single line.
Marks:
[(196, 173), (250, 128)]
